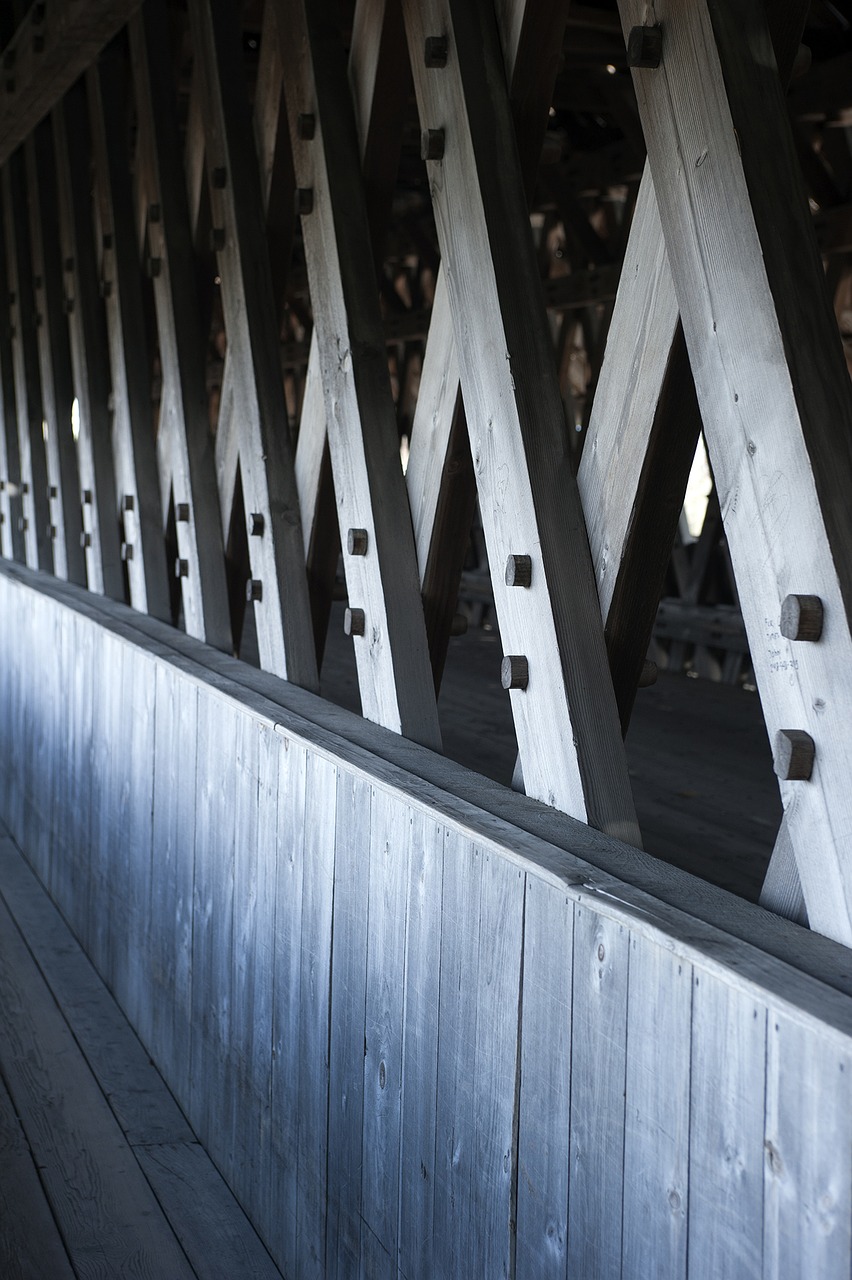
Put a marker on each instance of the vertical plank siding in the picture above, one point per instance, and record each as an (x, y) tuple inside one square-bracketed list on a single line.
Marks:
[(418, 1041)]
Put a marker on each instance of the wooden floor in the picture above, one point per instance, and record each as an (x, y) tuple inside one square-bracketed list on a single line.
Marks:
[(706, 796), (100, 1174)]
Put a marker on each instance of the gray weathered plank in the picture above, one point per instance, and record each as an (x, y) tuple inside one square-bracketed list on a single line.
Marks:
[(314, 998), (807, 1177), (598, 1072), (390, 846), (544, 1117), (656, 1139), (346, 1043), (420, 1047), (726, 1132)]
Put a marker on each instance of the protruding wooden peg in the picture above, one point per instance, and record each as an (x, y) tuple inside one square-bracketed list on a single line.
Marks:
[(154, 213), (85, 540), (181, 568), (69, 264), (645, 47), (515, 672), (356, 542), (68, 307), (518, 571), (436, 51), (182, 512), (354, 622), (52, 532), (793, 755), (217, 238), (220, 177), (87, 497), (304, 201), (128, 502), (127, 551), (106, 238), (105, 288), (152, 268), (254, 591), (23, 524), (432, 144), (648, 674), (256, 524), (306, 125), (25, 486), (52, 491), (801, 618)]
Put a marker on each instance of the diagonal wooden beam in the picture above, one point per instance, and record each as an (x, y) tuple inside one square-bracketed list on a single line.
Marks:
[(35, 518), (773, 390), (440, 478), (89, 359), (565, 712), (381, 570), (279, 584), (185, 446), (52, 47), (378, 79), (134, 446), (57, 386), (11, 533)]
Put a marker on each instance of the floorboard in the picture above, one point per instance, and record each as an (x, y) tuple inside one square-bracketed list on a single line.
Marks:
[(100, 1174)]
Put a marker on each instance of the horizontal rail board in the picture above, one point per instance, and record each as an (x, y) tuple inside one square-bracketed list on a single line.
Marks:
[(417, 1036)]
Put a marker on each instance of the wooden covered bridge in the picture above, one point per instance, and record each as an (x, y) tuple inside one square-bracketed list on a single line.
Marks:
[(328, 330)]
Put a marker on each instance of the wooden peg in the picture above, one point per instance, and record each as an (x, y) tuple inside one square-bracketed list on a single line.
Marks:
[(645, 47), (306, 126), (432, 144), (256, 524), (181, 568), (217, 238), (127, 551), (354, 622), (254, 590), (182, 513), (356, 542), (515, 672), (801, 618), (436, 50), (304, 201), (793, 755), (220, 177), (518, 571)]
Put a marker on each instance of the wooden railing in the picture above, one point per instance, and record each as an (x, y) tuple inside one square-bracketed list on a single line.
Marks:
[(416, 1036)]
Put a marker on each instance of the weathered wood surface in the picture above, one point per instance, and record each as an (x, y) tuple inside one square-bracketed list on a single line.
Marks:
[(543, 1037)]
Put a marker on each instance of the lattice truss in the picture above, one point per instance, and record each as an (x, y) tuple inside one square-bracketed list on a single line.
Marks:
[(198, 370)]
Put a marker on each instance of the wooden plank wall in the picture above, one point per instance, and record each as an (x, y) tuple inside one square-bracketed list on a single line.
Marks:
[(418, 1041)]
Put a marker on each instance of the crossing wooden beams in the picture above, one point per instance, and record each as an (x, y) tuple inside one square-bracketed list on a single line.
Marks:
[(381, 571), (278, 585), (569, 741), (773, 391)]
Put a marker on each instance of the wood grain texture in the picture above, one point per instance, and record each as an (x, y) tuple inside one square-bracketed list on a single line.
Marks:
[(423, 945), (727, 1097), (544, 1120), (598, 1075), (528, 497), (346, 1044), (807, 1193), (772, 386), (11, 535), (656, 1137)]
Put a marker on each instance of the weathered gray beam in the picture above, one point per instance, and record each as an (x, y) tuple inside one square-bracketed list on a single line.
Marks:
[(35, 518), (566, 717), (184, 444), (51, 48), (772, 385), (89, 351), (272, 507), (57, 385), (11, 534), (134, 446), (391, 650)]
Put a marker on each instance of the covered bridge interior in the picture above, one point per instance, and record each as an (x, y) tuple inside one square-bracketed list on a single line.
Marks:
[(425, 580)]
